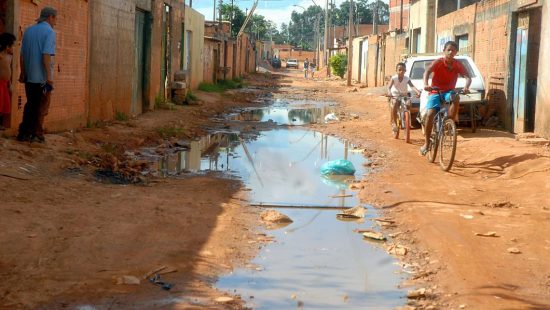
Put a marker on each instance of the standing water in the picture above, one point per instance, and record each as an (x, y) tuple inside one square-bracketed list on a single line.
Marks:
[(318, 261)]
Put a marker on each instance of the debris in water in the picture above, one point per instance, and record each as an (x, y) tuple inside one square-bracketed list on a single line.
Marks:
[(331, 117), (397, 249), (370, 234), (355, 213), (274, 216), (417, 294), (487, 234), (338, 167), (341, 196)]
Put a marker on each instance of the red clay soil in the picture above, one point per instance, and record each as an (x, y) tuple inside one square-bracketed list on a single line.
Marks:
[(67, 238), (499, 183)]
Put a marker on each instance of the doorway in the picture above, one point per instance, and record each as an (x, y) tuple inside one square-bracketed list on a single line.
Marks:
[(526, 58), (142, 46), (166, 51)]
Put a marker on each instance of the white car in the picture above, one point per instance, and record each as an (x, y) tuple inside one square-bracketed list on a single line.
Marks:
[(417, 64), (292, 63)]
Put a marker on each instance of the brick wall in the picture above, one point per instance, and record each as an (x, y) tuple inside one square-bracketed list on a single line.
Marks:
[(394, 52), (111, 58), (542, 113), (68, 101), (397, 12), (372, 58), (491, 52)]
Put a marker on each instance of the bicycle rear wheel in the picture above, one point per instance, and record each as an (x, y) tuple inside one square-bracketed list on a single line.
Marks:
[(396, 124), (447, 145), (407, 121), (434, 143)]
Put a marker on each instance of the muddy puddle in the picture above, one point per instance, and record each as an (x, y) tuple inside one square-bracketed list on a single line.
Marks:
[(285, 112), (318, 261)]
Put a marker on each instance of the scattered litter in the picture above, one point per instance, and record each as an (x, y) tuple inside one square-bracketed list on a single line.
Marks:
[(373, 235), (417, 294), (331, 117), (156, 280), (274, 216), (500, 204), (338, 167), (130, 280), (397, 249), (355, 212), (151, 272), (514, 250), (487, 234), (467, 216), (224, 299), (462, 306)]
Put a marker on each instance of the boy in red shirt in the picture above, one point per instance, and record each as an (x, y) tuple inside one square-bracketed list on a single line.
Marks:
[(445, 74)]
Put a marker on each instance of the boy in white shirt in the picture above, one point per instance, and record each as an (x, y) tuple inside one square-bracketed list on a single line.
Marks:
[(398, 87)]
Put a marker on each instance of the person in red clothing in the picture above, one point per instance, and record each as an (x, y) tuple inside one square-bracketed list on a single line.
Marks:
[(446, 71), (6, 54)]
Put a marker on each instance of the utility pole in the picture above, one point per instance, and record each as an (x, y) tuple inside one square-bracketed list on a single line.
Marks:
[(325, 41), (375, 18), (317, 40), (350, 41)]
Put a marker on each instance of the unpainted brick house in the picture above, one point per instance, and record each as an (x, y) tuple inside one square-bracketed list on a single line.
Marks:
[(506, 38), (113, 58)]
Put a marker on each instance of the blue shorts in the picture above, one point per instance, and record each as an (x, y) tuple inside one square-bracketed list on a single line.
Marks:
[(434, 102)]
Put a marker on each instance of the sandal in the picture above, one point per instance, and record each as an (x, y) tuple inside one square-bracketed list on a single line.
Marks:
[(423, 150)]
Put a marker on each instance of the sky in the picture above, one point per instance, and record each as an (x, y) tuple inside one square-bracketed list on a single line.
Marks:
[(277, 11)]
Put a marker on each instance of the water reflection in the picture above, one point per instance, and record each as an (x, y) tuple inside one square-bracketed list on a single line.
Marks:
[(286, 116), (280, 167), (321, 263)]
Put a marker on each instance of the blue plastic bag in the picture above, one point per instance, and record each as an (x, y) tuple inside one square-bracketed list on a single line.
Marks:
[(338, 167)]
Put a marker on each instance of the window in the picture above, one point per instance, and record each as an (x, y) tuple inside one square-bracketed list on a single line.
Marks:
[(462, 43), (416, 48)]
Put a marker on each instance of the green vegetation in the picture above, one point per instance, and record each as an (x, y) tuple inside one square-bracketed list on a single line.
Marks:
[(121, 116), (170, 132), (190, 98), (221, 86), (339, 64)]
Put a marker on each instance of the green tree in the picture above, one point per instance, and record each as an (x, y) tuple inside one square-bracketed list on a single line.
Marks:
[(339, 64), (235, 15)]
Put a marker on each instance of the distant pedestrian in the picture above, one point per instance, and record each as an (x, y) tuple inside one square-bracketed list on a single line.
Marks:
[(6, 54), (37, 70), (312, 67), (306, 67)]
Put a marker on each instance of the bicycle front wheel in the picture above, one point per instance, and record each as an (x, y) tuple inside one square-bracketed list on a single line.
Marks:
[(407, 121), (447, 145)]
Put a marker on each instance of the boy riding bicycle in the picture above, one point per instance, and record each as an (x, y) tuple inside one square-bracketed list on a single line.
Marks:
[(398, 87), (445, 74)]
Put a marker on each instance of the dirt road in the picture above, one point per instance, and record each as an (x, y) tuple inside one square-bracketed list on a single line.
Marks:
[(498, 184), (67, 239)]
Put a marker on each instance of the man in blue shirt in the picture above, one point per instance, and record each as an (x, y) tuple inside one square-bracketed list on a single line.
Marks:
[(37, 67)]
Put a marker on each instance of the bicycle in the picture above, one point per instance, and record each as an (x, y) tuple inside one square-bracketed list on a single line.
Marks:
[(403, 119), (443, 136)]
